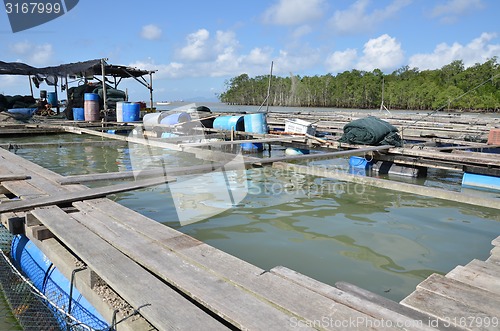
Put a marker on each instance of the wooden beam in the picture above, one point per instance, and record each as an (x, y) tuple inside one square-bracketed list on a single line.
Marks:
[(235, 142), (317, 156), (9, 177), (68, 197), (396, 186)]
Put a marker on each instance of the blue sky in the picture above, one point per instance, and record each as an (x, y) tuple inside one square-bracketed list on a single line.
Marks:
[(196, 46)]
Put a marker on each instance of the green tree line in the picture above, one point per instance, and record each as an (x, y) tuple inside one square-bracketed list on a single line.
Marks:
[(452, 87)]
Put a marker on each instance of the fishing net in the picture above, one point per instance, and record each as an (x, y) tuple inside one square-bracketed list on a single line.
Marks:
[(22, 305)]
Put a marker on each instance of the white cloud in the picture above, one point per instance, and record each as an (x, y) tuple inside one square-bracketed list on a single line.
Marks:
[(341, 60), (196, 48), (151, 32), (293, 12), (451, 10), (33, 54), (381, 53), (477, 51), (301, 31), (357, 19)]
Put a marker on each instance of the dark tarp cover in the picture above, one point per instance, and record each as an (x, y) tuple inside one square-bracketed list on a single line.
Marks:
[(371, 130), (78, 68)]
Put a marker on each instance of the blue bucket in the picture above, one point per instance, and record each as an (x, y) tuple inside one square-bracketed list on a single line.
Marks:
[(175, 118), (51, 282), (255, 123), (52, 98), (236, 123), (78, 114), (131, 111)]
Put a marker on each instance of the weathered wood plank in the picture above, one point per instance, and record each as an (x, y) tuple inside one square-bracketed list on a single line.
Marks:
[(68, 197), (158, 303), (217, 294), (478, 298), (396, 186), (235, 142), (445, 156), (394, 306), (318, 156), (475, 278), (350, 300), (496, 242), (148, 173), (23, 189), (12, 176), (291, 297), (449, 311), (484, 267)]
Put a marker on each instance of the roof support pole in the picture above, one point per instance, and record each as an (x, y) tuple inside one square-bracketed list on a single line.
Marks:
[(151, 90), (104, 96)]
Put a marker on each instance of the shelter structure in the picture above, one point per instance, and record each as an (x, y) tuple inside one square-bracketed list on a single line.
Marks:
[(92, 69)]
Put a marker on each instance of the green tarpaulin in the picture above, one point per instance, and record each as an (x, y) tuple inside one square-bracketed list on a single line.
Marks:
[(371, 130)]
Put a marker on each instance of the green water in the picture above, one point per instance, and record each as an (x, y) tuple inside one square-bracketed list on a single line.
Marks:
[(384, 241)]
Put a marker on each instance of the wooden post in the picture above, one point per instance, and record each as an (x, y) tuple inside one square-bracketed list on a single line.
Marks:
[(104, 96)]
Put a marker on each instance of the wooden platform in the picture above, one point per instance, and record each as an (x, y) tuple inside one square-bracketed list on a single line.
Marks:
[(177, 282)]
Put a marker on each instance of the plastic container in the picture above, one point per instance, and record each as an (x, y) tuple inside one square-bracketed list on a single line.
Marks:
[(175, 118), (255, 123), (91, 107), (236, 123), (23, 111), (78, 114), (52, 98), (152, 118), (131, 112), (119, 111), (299, 126)]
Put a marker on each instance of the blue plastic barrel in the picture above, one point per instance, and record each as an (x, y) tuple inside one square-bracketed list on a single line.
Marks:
[(91, 97), (176, 118), (52, 98), (131, 111), (78, 114), (255, 123), (91, 107), (481, 182), (236, 123), (28, 258)]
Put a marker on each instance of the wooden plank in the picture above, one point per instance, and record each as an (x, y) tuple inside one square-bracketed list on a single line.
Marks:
[(450, 311), (355, 302), (287, 295), (496, 242), (318, 156), (12, 176), (396, 186), (480, 299), (484, 267), (394, 306), (23, 189), (163, 307), (148, 173), (95, 143), (68, 197), (444, 156), (223, 298), (475, 278), (235, 142)]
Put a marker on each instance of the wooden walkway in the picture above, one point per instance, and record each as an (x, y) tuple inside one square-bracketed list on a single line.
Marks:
[(176, 282)]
